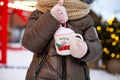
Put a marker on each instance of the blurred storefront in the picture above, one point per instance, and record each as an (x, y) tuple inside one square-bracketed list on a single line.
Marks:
[(13, 18)]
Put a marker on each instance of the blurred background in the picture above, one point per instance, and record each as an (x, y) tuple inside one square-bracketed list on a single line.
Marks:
[(15, 59)]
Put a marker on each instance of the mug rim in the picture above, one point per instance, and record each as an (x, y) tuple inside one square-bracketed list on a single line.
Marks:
[(63, 34)]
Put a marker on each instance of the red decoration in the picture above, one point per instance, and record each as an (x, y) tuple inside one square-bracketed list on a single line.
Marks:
[(65, 47), (23, 14), (3, 30), (3, 26)]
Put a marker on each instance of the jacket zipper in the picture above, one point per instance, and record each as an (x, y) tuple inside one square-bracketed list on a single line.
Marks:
[(63, 68)]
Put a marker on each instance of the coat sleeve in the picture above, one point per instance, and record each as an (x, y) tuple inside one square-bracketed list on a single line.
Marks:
[(91, 38), (39, 30)]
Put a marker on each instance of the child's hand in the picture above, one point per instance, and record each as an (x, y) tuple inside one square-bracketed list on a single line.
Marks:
[(59, 12), (78, 47)]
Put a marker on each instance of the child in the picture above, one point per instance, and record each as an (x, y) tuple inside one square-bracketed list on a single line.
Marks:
[(39, 38)]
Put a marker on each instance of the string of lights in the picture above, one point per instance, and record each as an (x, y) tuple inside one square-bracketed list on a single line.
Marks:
[(22, 5), (110, 38)]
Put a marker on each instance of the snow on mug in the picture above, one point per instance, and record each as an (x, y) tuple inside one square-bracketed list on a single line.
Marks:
[(62, 37)]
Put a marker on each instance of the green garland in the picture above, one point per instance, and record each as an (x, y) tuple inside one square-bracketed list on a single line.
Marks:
[(109, 34)]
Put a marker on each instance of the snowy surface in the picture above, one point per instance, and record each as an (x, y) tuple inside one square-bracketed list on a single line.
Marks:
[(17, 64), (19, 60), (102, 75)]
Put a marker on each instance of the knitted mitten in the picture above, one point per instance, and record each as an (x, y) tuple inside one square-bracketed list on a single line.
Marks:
[(59, 12), (78, 47)]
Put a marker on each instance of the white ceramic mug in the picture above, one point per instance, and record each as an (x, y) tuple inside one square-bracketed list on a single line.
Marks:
[(62, 37)]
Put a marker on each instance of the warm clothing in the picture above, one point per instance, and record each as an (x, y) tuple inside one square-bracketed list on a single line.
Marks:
[(40, 30), (76, 9), (88, 1), (59, 12)]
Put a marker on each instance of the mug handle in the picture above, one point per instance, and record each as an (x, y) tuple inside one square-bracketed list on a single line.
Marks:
[(79, 36)]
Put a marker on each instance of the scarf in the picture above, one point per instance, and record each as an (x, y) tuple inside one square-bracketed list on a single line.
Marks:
[(76, 9)]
